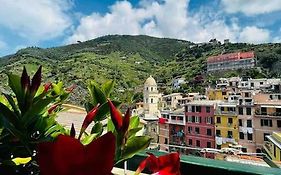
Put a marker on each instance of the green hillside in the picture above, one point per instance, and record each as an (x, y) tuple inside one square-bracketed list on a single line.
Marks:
[(131, 59)]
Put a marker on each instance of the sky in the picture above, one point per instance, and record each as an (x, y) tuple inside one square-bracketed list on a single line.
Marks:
[(50, 23)]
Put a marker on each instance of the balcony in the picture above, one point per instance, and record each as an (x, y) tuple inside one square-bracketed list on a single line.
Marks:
[(178, 122), (265, 114), (191, 165)]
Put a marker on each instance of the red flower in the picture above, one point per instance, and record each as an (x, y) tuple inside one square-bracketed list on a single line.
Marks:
[(47, 86), (88, 119), (162, 120), (120, 123), (52, 108), (67, 156), (163, 165)]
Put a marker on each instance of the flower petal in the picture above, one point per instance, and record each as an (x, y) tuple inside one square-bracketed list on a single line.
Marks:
[(47, 86), (88, 119), (100, 155), (36, 81), (170, 163), (116, 116), (62, 157), (126, 121), (25, 80)]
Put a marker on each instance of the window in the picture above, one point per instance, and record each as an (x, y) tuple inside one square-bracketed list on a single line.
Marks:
[(218, 132), (224, 93), (197, 119), (189, 129), (208, 109), (197, 130), (247, 94), (249, 123), (151, 88), (240, 111), (229, 134), (209, 120), (279, 123), (192, 108), (241, 135), (198, 143), (209, 132), (198, 108), (218, 146), (230, 120), (248, 111), (240, 122), (264, 136), (189, 119), (151, 100), (166, 141), (218, 120), (274, 150), (250, 136), (266, 122), (222, 109), (209, 145), (263, 110), (193, 119), (189, 141)]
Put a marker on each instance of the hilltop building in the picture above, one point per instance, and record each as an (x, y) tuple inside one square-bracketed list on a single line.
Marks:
[(231, 61)]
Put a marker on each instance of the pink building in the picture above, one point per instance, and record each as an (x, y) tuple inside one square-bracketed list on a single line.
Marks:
[(200, 128)]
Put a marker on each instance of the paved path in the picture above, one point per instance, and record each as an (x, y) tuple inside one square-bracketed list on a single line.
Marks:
[(66, 118)]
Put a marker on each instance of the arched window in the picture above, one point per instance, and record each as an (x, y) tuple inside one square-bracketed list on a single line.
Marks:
[(151, 88), (147, 88), (151, 100)]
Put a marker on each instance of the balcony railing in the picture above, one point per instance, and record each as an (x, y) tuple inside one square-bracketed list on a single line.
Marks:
[(176, 122), (274, 114), (191, 165)]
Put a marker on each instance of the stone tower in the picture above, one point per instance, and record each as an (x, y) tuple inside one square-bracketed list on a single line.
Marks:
[(150, 99)]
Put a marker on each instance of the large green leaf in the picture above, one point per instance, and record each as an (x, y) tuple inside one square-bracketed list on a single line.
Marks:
[(108, 87), (110, 126), (97, 95), (15, 85), (13, 105), (132, 132), (133, 146), (36, 108), (9, 115), (134, 122), (97, 129)]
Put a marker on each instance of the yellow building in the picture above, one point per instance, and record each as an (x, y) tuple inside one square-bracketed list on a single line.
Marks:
[(273, 146), (217, 94), (226, 125)]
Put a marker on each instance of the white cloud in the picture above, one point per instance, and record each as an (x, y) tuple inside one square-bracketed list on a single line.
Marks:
[(168, 18), (252, 34), (251, 7), (35, 20)]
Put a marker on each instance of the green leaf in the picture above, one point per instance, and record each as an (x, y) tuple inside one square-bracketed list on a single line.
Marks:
[(110, 126), (134, 122), (97, 94), (97, 129), (15, 85), (88, 139), (133, 146), (108, 87), (57, 87), (9, 115), (88, 106), (13, 105), (104, 110), (35, 109), (132, 132)]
